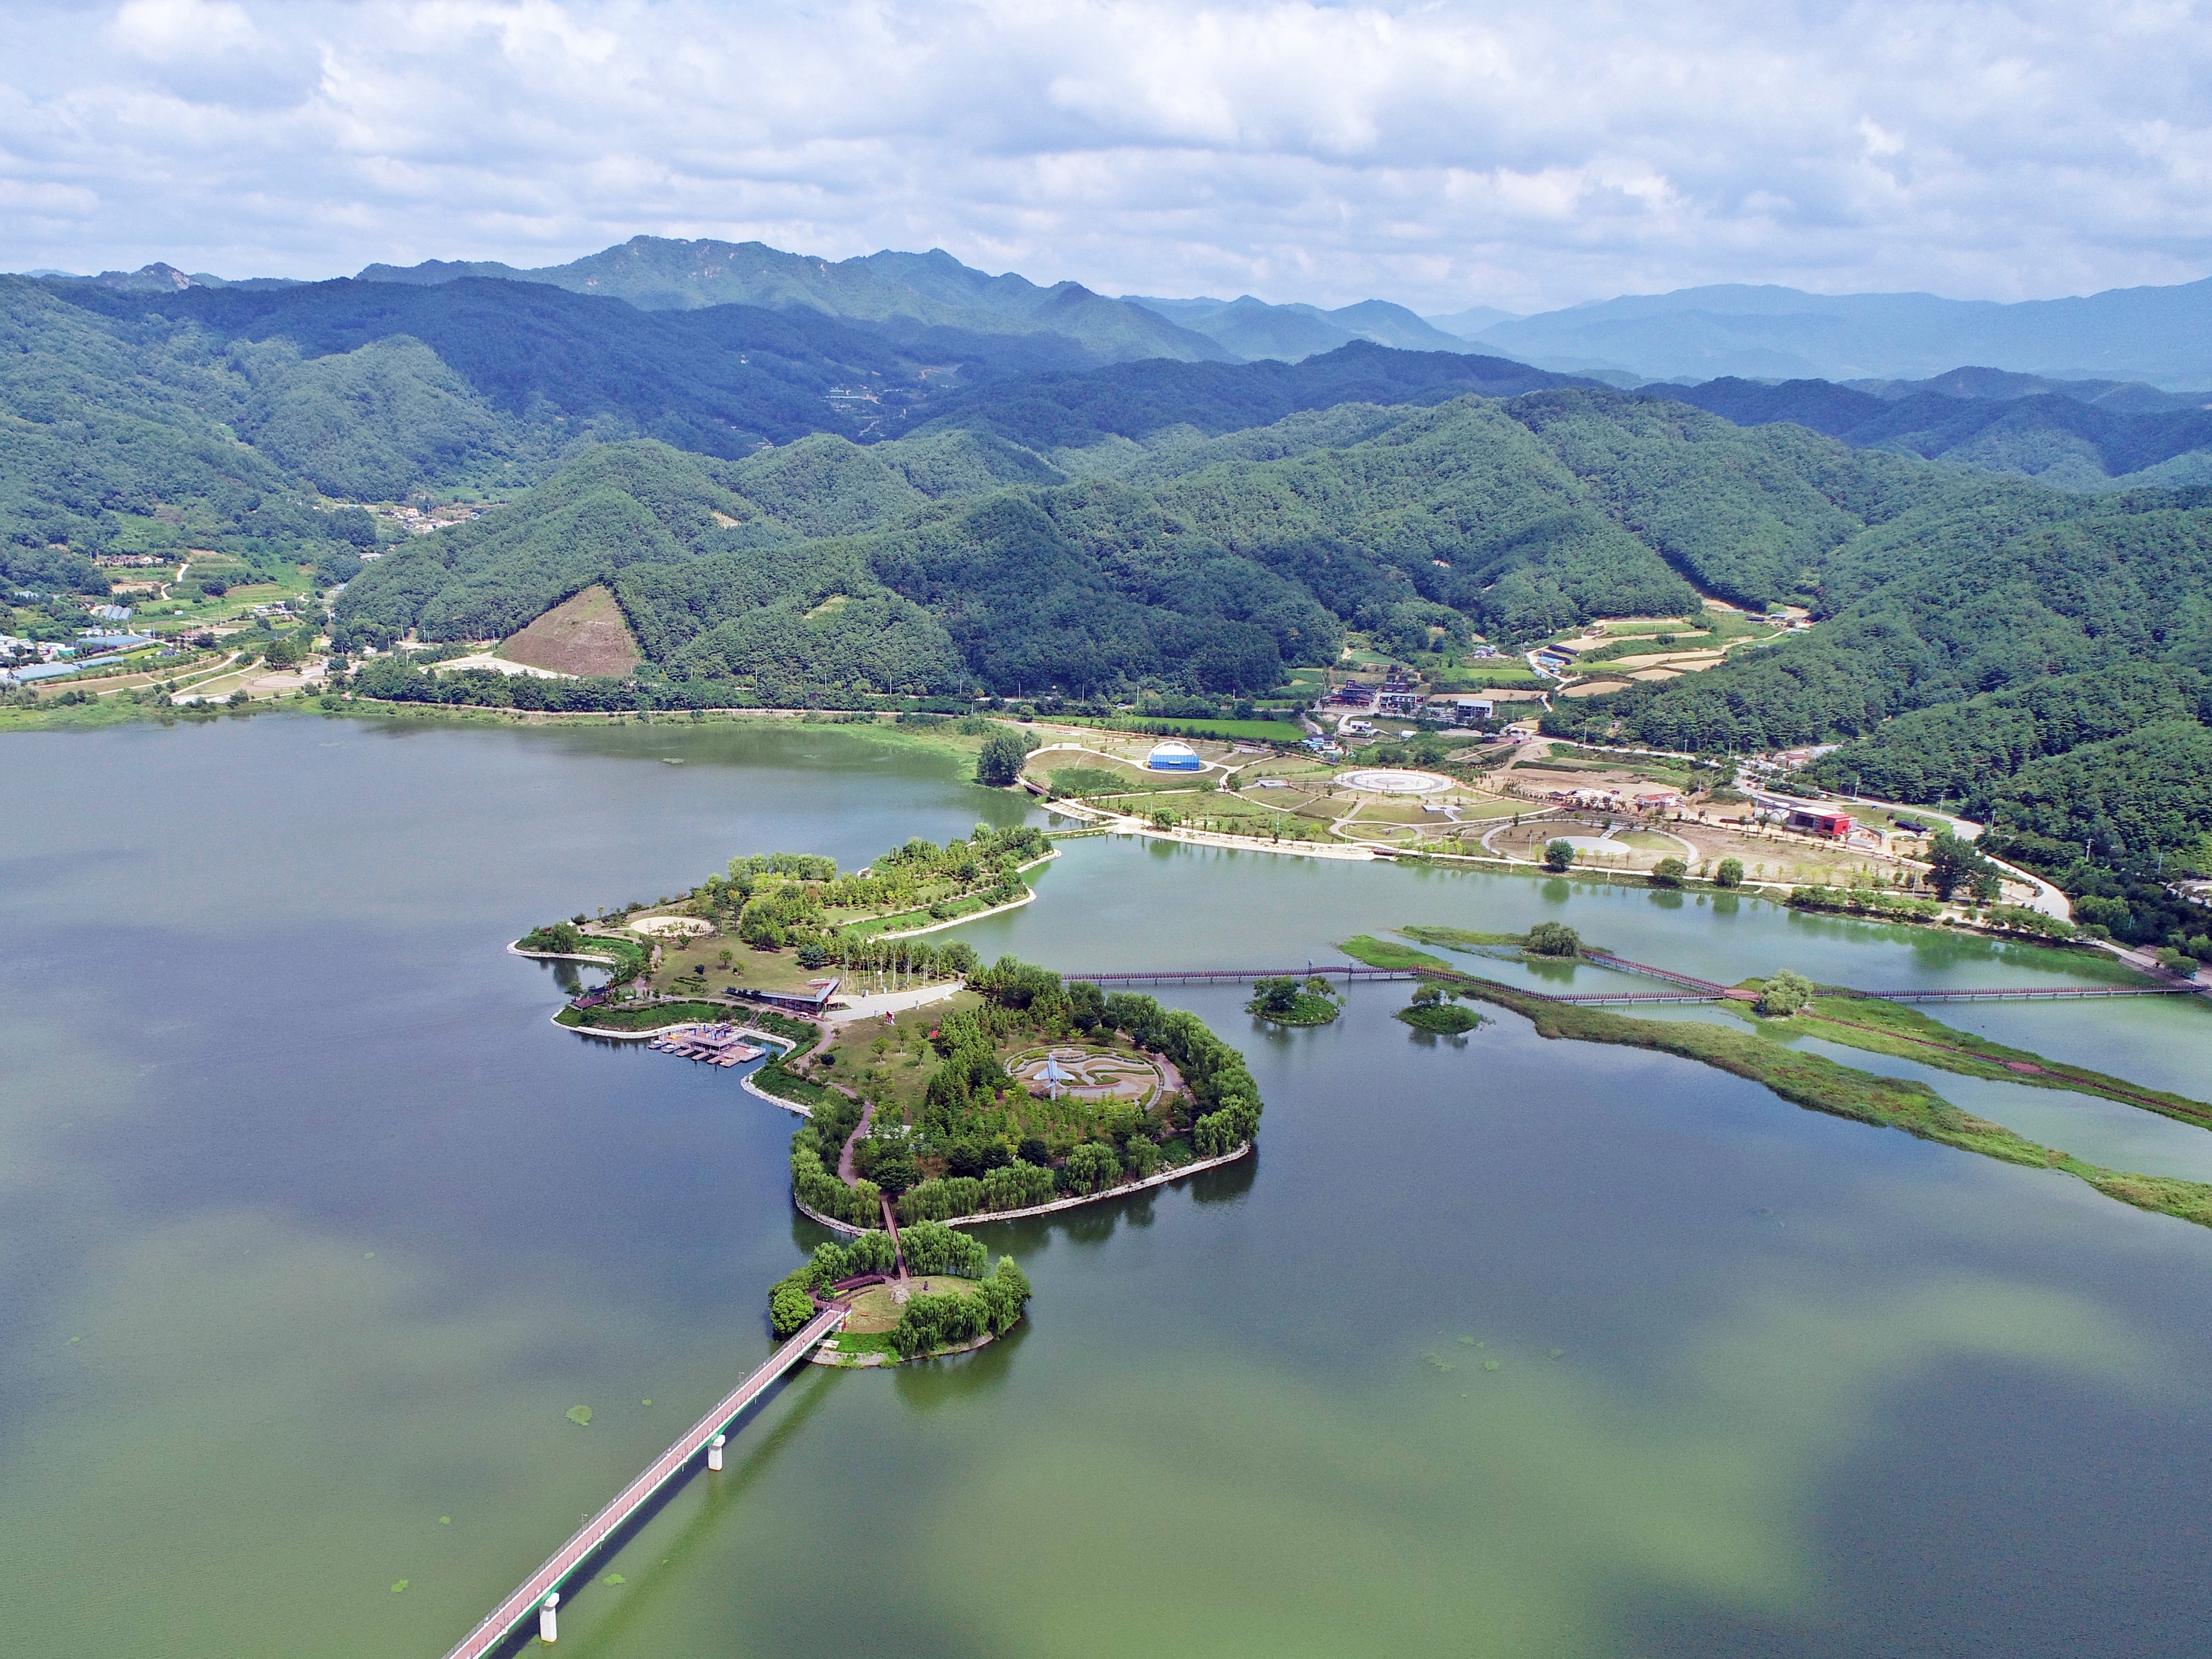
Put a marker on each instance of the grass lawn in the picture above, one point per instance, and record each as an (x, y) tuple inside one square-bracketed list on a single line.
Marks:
[(652, 1016), (1086, 781), (875, 1311)]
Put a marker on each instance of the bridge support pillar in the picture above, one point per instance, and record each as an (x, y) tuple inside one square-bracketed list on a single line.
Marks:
[(549, 1622), (714, 1451)]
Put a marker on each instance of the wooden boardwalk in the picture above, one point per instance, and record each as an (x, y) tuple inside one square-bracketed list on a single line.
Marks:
[(1688, 986), (1238, 975), (500, 1621)]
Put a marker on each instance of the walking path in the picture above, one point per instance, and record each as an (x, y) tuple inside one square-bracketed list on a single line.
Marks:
[(845, 1173)]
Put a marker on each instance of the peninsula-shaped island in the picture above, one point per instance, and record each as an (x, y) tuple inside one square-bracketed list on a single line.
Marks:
[(937, 1093)]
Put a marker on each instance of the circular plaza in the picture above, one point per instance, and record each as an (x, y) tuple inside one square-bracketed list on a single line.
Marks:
[(1392, 780)]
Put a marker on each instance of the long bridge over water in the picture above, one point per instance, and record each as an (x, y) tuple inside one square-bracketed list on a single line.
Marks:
[(540, 1593)]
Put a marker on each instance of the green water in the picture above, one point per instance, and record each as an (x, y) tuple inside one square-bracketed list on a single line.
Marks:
[(342, 1228)]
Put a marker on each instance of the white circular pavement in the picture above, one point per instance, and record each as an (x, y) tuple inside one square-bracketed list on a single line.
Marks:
[(1389, 780)]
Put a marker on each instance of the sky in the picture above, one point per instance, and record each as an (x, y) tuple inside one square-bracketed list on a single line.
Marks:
[(1525, 154)]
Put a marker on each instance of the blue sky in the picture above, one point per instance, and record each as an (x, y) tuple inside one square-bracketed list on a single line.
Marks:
[(1443, 155)]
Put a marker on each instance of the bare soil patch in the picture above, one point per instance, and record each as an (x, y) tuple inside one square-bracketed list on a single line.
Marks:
[(584, 635)]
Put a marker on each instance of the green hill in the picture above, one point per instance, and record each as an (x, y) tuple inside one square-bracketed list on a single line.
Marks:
[(1205, 568)]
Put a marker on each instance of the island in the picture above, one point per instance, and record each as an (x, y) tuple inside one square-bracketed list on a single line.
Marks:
[(935, 1093)]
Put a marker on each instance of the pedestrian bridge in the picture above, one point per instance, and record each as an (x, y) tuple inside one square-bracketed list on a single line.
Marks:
[(540, 1592)]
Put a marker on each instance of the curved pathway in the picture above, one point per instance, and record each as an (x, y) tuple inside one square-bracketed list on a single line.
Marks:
[(845, 1171)]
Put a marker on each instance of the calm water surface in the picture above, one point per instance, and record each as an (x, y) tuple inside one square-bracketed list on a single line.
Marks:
[(313, 1229)]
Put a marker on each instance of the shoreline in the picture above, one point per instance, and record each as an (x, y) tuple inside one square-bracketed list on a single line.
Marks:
[(1126, 1189), (1028, 897)]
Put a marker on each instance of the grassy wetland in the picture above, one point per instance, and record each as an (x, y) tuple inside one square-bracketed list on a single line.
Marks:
[(1821, 1085)]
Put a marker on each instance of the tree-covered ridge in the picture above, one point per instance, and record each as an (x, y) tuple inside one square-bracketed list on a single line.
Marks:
[(116, 440), (2049, 677), (1061, 411), (2060, 440), (928, 563)]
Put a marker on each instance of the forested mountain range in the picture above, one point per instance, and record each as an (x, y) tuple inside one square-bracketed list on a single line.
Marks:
[(1252, 329), (904, 295), (2073, 435), (794, 507)]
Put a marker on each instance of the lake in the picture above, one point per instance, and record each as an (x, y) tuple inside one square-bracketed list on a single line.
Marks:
[(314, 1230)]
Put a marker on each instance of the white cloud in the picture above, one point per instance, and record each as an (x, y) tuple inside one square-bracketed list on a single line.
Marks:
[(1438, 154)]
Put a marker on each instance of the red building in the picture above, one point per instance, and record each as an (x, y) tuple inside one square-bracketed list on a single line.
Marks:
[(1813, 822)]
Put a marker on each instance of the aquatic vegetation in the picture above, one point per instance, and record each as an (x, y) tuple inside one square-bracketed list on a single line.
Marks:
[(580, 1416)]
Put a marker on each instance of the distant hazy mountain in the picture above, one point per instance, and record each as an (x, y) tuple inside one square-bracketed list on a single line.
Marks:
[(2117, 397), (899, 293), (2072, 434), (2161, 335), (1255, 330), (1471, 322), (162, 278)]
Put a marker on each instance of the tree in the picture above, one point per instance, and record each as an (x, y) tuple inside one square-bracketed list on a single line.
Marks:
[(1784, 994), (1730, 874), (789, 1308), (1274, 999), (1001, 759), (1952, 863), (1551, 938), (893, 1168), (1093, 1167), (1669, 873), (1163, 819), (1559, 855)]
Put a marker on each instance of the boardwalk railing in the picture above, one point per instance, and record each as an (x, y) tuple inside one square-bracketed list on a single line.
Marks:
[(1237, 975), (1622, 964), (501, 1620), (1693, 989), (2022, 994)]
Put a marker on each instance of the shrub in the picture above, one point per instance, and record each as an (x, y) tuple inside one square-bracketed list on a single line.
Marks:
[(1552, 938), (1784, 994)]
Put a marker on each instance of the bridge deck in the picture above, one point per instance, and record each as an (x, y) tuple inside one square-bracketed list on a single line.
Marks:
[(1233, 976), (508, 1614), (1693, 989)]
